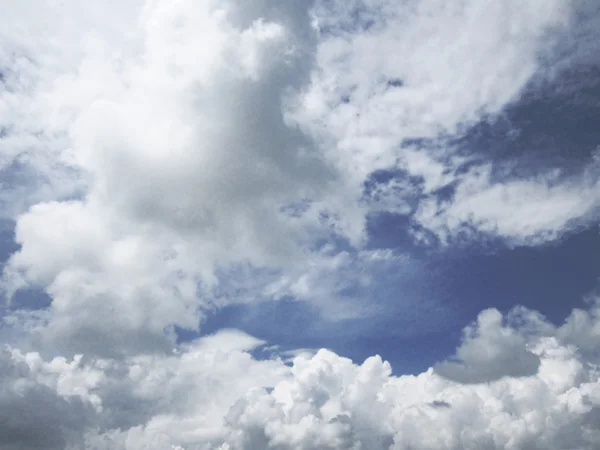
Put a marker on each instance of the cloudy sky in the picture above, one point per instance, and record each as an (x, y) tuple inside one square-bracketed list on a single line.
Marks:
[(285, 224)]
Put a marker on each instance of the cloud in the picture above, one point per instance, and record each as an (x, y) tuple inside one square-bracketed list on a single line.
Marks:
[(341, 283), (522, 211), (35, 415), (187, 158), (211, 393), (582, 328), (107, 288), (452, 67), (456, 64), (489, 351)]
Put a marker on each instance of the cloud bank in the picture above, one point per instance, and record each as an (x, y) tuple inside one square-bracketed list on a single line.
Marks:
[(211, 393)]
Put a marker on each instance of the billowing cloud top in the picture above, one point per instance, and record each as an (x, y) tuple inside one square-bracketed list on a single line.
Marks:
[(162, 160)]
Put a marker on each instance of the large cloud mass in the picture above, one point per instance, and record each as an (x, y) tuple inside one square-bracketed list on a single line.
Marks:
[(212, 394), (160, 159)]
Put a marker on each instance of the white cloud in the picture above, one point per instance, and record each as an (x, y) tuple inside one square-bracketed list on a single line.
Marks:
[(188, 163), (456, 63), (112, 291), (489, 351), (522, 211), (582, 328), (391, 73), (197, 144), (340, 283), (212, 394)]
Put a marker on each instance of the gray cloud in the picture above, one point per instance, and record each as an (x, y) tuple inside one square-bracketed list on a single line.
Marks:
[(35, 416), (490, 351)]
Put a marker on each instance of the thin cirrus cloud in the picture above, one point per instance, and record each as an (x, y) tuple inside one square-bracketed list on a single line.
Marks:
[(167, 159)]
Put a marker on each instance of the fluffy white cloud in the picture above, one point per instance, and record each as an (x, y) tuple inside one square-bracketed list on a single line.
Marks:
[(213, 394), (112, 291), (187, 160), (490, 351)]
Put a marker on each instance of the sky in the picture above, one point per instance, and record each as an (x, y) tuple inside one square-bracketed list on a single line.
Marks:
[(260, 224)]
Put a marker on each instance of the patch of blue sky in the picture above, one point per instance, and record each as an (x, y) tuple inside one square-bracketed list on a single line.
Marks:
[(551, 126)]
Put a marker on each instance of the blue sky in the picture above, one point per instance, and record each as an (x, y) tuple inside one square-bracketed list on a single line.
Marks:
[(545, 128), (300, 225)]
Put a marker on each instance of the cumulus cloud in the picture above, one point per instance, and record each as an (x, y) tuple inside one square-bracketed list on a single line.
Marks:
[(212, 393), (583, 330), (34, 414), (186, 158), (490, 351)]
